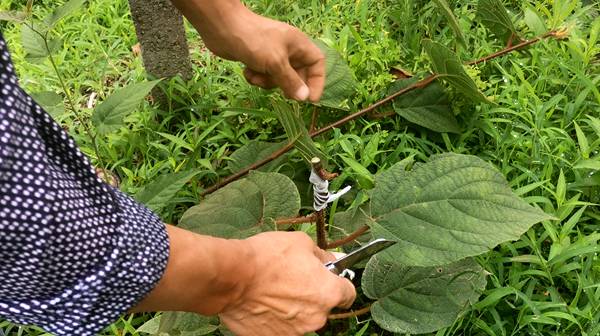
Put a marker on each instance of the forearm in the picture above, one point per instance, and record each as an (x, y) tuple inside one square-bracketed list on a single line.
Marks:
[(203, 275)]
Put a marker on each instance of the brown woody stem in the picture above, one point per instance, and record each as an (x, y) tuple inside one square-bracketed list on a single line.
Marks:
[(420, 84), (352, 313), (348, 239), (313, 119), (297, 220)]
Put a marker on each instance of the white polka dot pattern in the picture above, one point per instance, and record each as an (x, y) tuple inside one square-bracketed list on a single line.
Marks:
[(74, 252)]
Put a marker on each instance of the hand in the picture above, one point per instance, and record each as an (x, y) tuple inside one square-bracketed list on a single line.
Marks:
[(271, 284), (275, 54), (291, 292)]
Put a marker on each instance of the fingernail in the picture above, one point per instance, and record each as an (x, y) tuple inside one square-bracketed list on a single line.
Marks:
[(302, 93)]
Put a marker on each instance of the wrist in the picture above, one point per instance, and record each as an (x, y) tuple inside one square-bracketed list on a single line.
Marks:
[(204, 275)]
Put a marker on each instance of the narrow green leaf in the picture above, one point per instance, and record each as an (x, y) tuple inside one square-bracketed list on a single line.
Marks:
[(584, 147), (62, 11), (177, 140), (364, 176), (110, 114), (13, 16), (449, 67), (417, 300), (159, 192), (534, 21), (445, 8), (252, 152), (495, 17), (452, 207), (561, 188), (340, 84), (289, 116), (588, 164), (427, 107)]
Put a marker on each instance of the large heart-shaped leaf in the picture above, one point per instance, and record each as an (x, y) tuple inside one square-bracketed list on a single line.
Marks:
[(417, 300), (448, 67), (495, 17), (245, 207), (110, 114), (452, 207), (180, 324), (157, 194), (340, 84), (36, 47), (252, 152), (428, 107)]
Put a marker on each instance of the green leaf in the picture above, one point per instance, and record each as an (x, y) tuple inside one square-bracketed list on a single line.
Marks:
[(13, 16), (151, 326), (584, 147), (50, 101), (253, 152), (245, 207), (495, 18), (588, 164), (347, 222), (281, 198), (62, 11), (187, 324), (289, 116), (363, 175), (417, 300), (110, 114), (443, 6), (340, 84), (449, 68), (34, 45), (452, 207), (427, 107), (157, 194), (534, 21)]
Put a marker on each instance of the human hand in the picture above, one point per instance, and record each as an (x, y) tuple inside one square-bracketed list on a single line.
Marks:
[(275, 53), (291, 292)]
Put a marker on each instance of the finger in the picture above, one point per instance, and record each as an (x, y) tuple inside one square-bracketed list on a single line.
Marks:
[(315, 79), (258, 79), (323, 255), (310, 58), (347, 293), (289, 81)]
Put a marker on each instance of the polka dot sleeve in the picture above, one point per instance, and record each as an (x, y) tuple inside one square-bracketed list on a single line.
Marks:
[(74, 252)]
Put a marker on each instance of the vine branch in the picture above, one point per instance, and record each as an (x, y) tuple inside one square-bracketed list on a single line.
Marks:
[(558, 34), (352, 313), (297, 220), (349, 238)]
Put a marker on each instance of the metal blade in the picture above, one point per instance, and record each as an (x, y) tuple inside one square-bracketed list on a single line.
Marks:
[(364, 252)]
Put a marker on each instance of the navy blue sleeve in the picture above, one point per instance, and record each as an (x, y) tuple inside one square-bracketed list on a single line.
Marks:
[(75, 253)]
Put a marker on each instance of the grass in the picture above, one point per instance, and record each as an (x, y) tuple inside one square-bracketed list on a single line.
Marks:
[(541, 133)]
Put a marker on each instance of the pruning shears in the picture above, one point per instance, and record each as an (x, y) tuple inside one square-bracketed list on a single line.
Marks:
[(341, 266)]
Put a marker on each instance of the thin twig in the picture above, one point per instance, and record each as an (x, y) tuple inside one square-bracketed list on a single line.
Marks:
[(245, 171), (420, 84), (348, 239), (513, 48), (352, 313), (297, 220)]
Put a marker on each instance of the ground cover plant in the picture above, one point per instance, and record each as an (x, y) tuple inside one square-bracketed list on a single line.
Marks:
[(496, 102)]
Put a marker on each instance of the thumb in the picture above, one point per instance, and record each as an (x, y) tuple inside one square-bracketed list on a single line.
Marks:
[(288, 79)]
